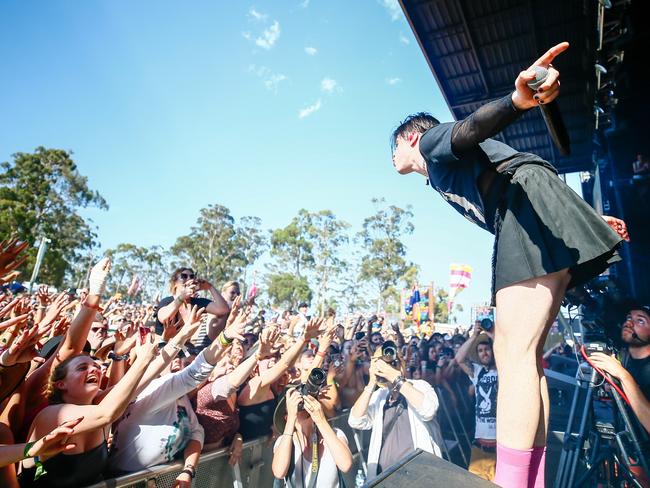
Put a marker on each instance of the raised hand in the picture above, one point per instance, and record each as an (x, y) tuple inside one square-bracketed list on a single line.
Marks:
[(56, 441), (191, 316), (235, 310), (326, 338), (43, 295), (236, 329), (312, 329), (267, 341), (523, 97), (23, 349), (98, 277)]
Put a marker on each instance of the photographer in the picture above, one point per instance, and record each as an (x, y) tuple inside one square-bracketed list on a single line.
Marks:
[(634, 370), (295, 457), (485, 379), (400, 413)]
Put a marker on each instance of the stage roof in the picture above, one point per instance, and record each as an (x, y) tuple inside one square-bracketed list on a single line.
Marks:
[(476, 48)]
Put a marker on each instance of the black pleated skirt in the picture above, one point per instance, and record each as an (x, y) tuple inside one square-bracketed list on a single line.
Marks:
[(543, 226)]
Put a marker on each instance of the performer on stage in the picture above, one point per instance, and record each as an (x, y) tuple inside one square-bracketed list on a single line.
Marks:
[(547, 239)]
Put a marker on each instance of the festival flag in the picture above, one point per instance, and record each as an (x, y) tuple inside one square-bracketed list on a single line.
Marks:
[(460, 276), (414, 303)]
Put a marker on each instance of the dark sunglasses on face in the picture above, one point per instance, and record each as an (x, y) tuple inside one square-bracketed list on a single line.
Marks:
[(186, 276)]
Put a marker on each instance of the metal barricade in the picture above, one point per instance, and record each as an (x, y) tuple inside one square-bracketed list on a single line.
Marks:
[(214, 471), (254, 469)]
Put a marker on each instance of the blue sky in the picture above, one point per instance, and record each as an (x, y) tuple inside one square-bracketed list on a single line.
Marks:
[(264, 107)]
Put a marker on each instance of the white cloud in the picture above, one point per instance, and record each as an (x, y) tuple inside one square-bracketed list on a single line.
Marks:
[(328, 85), (393, 8), (393, 81), (259, 16), (304, 3), (404, 40), (311, 50), (269, 37), (272, 82), (307, 111)]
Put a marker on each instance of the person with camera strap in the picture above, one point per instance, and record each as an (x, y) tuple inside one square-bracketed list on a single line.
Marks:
[(310, 453), (400, 413)]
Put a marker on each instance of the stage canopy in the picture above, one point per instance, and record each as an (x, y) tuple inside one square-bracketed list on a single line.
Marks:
[(476, 49)]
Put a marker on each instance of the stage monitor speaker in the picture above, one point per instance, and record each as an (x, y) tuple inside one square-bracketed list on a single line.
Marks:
[(422, 469)]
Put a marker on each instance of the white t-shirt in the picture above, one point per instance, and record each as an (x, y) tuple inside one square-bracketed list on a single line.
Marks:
[(486, 385), (160, 422), (328, 476)]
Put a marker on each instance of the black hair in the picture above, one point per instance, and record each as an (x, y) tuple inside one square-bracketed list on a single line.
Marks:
[(419, 122)]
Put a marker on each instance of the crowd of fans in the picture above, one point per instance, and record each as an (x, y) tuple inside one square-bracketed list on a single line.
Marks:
[(92, 387)]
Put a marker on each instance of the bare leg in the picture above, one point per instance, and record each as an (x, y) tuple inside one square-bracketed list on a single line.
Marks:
[(524, 313), (540, 435)]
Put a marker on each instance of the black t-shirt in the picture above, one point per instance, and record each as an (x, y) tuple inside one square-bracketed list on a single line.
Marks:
[(200, 302), (455, 177), (640, 371)]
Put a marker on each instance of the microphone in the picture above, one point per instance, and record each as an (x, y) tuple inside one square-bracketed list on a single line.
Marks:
[(551, 114)]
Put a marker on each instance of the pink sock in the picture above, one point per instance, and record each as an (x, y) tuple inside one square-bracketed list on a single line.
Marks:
[(512, 467), (537, 466)]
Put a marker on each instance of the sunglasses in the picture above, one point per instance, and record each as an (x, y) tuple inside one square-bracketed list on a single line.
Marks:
[(186, 276)]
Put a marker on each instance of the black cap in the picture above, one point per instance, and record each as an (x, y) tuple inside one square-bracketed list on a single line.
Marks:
[(303, 305)]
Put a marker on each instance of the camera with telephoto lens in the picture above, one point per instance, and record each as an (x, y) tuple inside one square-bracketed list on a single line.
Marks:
[(313, 385), (389, 356), (487, 324)]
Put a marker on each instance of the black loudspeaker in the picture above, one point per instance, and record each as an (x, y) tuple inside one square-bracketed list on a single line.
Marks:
[(422, 469)]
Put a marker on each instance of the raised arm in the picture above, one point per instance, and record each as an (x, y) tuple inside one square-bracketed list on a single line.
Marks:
[(493, 117), (461, 357), (218, 306), (288, 358), (75, 340), (108, 410)]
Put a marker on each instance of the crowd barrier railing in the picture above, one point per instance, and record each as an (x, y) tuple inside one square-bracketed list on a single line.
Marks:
[(254, 467)]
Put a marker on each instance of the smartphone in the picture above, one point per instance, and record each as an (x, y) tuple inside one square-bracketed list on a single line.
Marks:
[(359, 335), (143, 334)]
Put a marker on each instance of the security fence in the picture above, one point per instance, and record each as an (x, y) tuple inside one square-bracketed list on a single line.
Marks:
[(254, 467)]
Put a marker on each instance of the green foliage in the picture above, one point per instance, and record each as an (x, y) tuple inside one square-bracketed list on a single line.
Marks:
[(40, 195), (217, 248), (287, 289), (440, 312), (150, 264), (311, 246), (383, 260), (291, 246)]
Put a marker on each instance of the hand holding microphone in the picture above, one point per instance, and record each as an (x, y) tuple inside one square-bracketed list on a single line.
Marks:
[(539, 86)]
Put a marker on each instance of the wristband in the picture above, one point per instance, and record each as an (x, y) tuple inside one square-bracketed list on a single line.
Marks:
[(28, 446), (117, 357), (397, 384), (190, 472), (224, 341), (321, 354)]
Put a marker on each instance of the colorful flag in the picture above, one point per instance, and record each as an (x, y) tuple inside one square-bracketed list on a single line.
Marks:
[(414, 303), (460, 275)]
